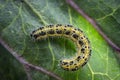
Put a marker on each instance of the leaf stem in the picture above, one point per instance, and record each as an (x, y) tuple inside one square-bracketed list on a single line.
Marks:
[(93, 22), (26, 64)]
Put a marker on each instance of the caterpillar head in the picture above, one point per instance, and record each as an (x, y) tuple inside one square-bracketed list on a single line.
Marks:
[(68, 65)]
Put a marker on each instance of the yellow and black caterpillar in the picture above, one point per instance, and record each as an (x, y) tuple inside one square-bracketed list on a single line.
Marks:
[(76, 35)]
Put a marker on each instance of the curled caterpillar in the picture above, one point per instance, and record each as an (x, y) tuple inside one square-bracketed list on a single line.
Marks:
[(76, 35)]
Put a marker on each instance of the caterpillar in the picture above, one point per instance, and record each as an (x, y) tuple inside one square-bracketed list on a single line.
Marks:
[(74, 34)]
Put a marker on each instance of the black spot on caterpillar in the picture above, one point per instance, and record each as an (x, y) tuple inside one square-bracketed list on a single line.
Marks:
[(76, 35)]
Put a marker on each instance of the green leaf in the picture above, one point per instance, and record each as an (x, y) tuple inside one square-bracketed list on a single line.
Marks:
[(106, 13), (10, 68), (18, 19)]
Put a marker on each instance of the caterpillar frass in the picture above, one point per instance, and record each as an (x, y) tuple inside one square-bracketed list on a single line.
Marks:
[(74, 34)]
